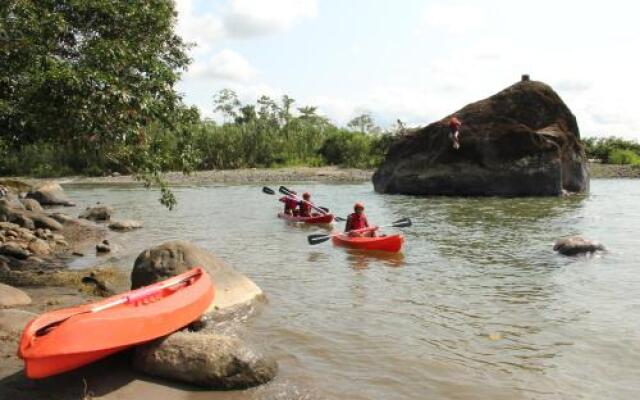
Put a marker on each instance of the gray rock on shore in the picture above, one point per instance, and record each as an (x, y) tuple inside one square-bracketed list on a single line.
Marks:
[(574, 245), (125, 225), (175, 257), (32, 205), (206, 360), (50, 194), (11, 297)]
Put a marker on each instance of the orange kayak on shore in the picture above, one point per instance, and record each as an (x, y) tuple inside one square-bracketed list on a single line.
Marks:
[(62, 340), (314, 219), (389, 243)]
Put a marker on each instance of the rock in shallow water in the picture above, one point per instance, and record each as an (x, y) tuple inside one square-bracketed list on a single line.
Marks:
[(574, 245), (125, 225), (207, 360), (175, 257), (98, 213)]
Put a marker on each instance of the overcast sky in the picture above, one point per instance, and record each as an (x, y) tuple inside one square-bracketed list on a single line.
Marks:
[(417, 60)]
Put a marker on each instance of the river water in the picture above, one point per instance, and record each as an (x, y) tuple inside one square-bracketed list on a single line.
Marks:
[(477, 307)]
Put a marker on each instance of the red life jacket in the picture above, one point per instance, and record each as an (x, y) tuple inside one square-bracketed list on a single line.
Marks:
[(305, 209), (357, 221), (289, 203)]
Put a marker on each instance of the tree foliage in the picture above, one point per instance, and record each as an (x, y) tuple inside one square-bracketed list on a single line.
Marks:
[(92, 75)]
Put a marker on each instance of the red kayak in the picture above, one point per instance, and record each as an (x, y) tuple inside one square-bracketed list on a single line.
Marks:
[(62, 340), (390, 243), (314, 219)]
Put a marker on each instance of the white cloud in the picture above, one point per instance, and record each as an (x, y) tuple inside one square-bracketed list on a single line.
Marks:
[(226, 65), (249, 18), (452, 18)]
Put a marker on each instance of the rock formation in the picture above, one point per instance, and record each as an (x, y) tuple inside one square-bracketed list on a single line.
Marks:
[(175, 257), (522, 141)]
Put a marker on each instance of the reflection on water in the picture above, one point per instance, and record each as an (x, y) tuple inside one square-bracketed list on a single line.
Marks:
[(477, 306), (360, 259)]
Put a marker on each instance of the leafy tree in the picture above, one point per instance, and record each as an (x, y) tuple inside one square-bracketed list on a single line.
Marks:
[(247, 115), (285, 110), (363, 123), (226, 102), (268, 111), (91, 74)]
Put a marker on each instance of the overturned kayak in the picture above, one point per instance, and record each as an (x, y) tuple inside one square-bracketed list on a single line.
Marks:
[(314, 219), (62, 340), (389, 243)]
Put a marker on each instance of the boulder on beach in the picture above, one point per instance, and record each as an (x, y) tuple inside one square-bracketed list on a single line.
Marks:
[(206, 360), (522, 141), (125, 225), (50, 194), (12, 249), (178, 256), (25, 218), (97, 213), (574, 245), (32, 205), (11, 297)]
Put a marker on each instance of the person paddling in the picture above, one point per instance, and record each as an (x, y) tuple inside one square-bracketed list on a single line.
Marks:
[(454, 127), (305, 206), (357, 223), (290, 204)]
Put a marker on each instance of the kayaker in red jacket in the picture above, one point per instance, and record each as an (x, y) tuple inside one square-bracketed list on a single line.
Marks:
[(290, 204), (358, 221), (305, 206), (454, 126)]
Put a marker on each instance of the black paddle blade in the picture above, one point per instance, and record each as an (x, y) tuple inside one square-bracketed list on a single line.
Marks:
[(325, 209), (284, 190), (317, 239), (402, 223), (268, 190), (339, 219)]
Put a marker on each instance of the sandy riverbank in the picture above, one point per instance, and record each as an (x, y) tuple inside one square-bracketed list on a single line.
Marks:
[(250, 175), (302, 174)]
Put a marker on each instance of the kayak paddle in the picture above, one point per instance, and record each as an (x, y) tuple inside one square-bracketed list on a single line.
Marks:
[(136, 296), (319, 238), (324, 210)]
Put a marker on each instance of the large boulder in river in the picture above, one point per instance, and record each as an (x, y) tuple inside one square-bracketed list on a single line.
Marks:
[(207, 360), (178, 256), (50, 194), (522, 141)]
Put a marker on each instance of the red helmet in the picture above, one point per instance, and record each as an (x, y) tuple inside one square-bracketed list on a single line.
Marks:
[(306, 195), (359, 204)]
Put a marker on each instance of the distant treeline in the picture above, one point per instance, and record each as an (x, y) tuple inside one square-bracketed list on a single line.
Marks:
[(613, 150), (268, 133)]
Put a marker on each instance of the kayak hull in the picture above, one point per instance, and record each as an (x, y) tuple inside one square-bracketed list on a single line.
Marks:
[(389, 243), (314, 219), (82, 336)]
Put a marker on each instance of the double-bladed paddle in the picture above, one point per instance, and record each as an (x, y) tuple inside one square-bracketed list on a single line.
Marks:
[(323, 210), (136, 296), (287, 192), (319, 238)]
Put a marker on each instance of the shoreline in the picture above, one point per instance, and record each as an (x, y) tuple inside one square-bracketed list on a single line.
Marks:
[(329, 174)]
